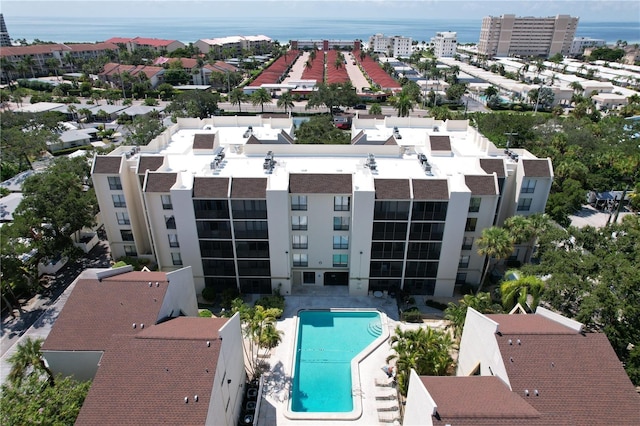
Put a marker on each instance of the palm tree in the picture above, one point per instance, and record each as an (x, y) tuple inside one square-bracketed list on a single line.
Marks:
[(28, 62), (426, 350), (72, 110), (28, 360), (236, 97), (85, 113), (261, 97), (456, 313), (525, 290), (338, 62), (375, 109), (286, 101), (495, 243), (403, 104), (7, 67), (576, 86), (491, 91), (53, 65)]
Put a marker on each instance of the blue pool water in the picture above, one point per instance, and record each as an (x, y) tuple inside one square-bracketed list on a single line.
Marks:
[(327, 342)]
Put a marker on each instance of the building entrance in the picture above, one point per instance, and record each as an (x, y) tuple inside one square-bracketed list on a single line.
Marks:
[(336, 278)]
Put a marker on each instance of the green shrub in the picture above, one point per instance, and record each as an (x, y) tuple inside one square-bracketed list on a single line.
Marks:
[(273, 301), (412, 315), (209, 294), (437, 305), (205, 313), (227, 297)]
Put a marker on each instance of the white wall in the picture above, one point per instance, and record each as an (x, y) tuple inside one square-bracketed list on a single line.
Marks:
[(187, 235), (478, 345), (82, 365), (279, 227), (362, 205), (230, 367), (180, 295), (420, 406)]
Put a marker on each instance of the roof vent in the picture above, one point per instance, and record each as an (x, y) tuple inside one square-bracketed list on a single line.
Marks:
[(208, 343), (396, 133), (141, 325), (511, 359), (553, 364), (150, 284), (134, 325), (510, 342), (195, 398), (536, 393), (157, 284), (269, 162), (526, 392), (371, 162), (186, 399), (519, 342), (248, 132)]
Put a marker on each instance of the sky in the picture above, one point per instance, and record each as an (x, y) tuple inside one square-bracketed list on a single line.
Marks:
[(586, 10)]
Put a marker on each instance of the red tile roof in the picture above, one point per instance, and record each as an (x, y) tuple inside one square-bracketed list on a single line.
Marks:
[(144, 379), (96, 310), (155, 42), (84, 47), (36, 49), (116, 40), (115, 69)]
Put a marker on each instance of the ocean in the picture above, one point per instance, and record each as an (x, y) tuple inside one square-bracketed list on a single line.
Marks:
[(189, 30)]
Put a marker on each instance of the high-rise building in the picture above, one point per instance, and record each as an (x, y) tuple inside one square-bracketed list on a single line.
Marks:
[(444, 44), (508, 35), (5, 39), (402, 206)]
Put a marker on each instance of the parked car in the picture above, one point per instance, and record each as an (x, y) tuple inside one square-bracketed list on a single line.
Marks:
[(360, 106), (336, 110)]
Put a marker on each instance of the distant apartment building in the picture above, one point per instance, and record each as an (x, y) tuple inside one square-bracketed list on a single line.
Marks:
[(324, 44), (508, 35), (5, 39), (154, 44), (444, 44), (402, 206), (66, 55), (257, 44), (392, 46), (580, 43)]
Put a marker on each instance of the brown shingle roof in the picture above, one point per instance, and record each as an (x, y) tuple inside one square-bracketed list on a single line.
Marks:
[(160, 182), (528, 324), (491, 165), (430, 189), (249, 188), (144, 379), (210, 187), (96, 310), (107, 164), (149, 162), (576, 374), (204, 140), (303, 183), (392, 189), (440, 143), (536, 168), (481, 185), (484, 398)]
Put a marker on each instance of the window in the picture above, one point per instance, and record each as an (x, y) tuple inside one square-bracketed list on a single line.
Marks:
[(426, 231), (464, 262), (385, 269), (166, 202), (308, 278), (387, 250), (528, 186), (421, 269), (467, 243), (211, 209), (130, 251), (340, 260), (213, 229), (250, 230), (176, 258), (123, 218), (461, 278), (429, 210), (340, 223), (254, 268), (300, 242), (389, 231), (118, 200), (217, 249), (340, 242), (126, 235), (514, 255), (173, 240), (298, 202), (300, 259), (114, 182), (471, 224), (249, 249), (341, 203), (170, 221), (474, 204), (391, 210), (249, 209), (524, 204), (298, 223), (424, 251)]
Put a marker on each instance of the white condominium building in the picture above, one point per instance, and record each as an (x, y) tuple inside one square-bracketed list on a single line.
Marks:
[(444, 44), (581, 43), (402, 206), (392, 46), (257, 44), (508, 35)]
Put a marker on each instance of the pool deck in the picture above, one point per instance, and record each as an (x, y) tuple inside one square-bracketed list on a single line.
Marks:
[(275, 395)]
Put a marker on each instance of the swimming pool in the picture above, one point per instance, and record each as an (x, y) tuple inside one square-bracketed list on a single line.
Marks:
[(330, 344)]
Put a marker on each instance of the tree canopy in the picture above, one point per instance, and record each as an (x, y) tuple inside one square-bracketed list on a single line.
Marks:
[(320, 130), (194, 103)]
